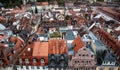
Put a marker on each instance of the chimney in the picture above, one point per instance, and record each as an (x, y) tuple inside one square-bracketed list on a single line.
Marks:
[(63, 35)]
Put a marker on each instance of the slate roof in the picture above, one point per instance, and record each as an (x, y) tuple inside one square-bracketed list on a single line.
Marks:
[(69, 34)]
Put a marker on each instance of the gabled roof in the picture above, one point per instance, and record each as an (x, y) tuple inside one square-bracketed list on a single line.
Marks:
[(40, 49), (58, 46), (1, 5), (109, 58), (77, 43), (2, 27)]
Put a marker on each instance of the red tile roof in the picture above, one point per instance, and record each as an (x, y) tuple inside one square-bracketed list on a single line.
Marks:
[(78, 43), (40, 49), (58, 46)]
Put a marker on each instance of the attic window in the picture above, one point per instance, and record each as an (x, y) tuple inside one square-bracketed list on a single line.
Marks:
[(84, 49), (27, 61), (34, 60), (29, 49), (20, 61), (42, 60)]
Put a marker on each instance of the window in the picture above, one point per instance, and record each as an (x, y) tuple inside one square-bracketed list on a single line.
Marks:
[(101, 68), (87, 62), (21, 67), (27, 61), (17, 66), (34, 60), (86, 54), (92, 68), (27, 67), (32, 67), (80, 68), (111, 68), (83, 55), (75, 68), (75, 62), (92, 56), (87, 68), (38, 67), (20, 61), (42, 60), (82, 61), (84, 49)]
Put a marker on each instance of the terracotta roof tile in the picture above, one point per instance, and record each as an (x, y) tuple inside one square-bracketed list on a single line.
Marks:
[(77, 43), (58, 46), (40, 49)]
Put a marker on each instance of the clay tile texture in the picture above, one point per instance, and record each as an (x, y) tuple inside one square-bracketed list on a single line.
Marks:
[(77, 43), (58, 46), (40, 49)]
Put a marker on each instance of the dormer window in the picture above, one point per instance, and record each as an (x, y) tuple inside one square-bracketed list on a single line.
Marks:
[(42, 60), (27, 61), (34, 60), (20, 61)]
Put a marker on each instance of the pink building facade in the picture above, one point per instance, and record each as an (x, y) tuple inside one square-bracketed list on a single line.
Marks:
[(84, 59)]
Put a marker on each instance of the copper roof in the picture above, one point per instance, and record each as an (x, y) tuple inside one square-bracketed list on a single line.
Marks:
[(40, 49)]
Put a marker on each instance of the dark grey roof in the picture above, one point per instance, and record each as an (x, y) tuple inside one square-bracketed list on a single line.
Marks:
[(69, 34), (110, 57), (43, 35), (91, 49), (1, 5), (2, 27)]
